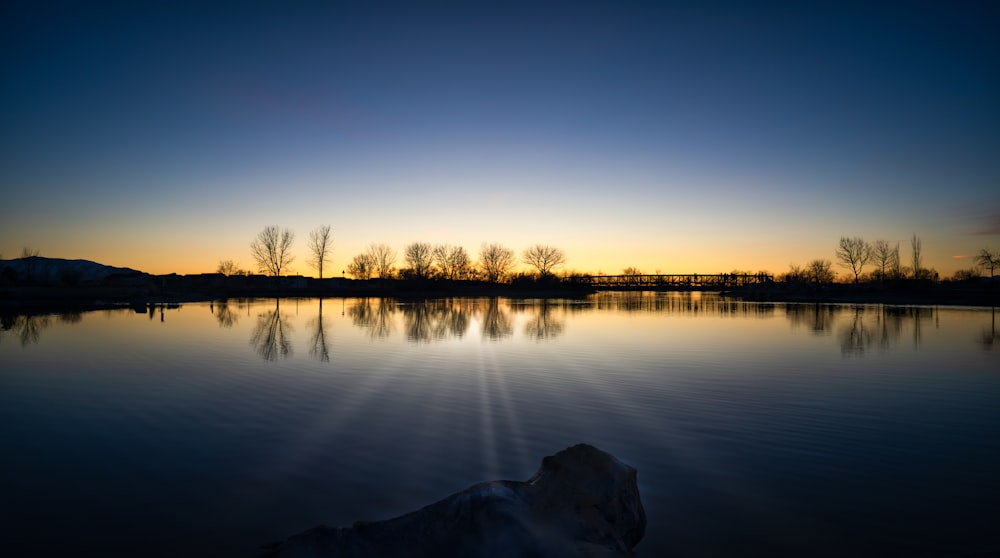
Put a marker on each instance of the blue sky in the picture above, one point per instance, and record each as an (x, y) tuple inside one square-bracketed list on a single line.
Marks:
[(680, 137)]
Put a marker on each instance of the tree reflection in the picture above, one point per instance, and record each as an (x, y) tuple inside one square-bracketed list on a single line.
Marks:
[(28, 329), (902, 314), (224, 314), (317, 343), (892, 328), (991, 335), (377, 319), (496, 323), (71, 317), (437, 319), (544, 324), (416, 321), (856, 337), (817, 317), (269, 336)]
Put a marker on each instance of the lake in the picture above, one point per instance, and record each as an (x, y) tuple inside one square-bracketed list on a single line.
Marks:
[(208, 429)]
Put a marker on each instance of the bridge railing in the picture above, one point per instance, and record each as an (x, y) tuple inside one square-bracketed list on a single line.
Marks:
[(688, 281)]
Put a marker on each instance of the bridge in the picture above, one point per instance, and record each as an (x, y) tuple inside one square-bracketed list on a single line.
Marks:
[(694, 281)]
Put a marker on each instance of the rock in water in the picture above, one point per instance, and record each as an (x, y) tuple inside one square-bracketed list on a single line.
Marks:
[(581, 502)]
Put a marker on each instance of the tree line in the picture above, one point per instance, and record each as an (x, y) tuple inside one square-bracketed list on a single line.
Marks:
[(854, 253), (271, 251)]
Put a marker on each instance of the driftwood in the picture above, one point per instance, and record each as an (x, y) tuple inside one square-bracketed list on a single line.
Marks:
[(581, 502)]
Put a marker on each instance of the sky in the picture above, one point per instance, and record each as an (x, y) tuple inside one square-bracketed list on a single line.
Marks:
[(673, 137)]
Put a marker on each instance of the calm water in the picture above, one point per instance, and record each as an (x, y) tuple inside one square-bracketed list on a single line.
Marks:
[(757, 429)]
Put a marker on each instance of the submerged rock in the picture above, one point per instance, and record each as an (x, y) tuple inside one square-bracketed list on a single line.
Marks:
[(581, 502)]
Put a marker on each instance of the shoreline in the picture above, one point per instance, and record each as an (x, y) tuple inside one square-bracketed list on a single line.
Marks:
[(96, 297)]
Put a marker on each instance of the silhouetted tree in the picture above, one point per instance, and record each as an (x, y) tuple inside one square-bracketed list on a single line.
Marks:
[(795, 274), (884, 257), (320, 245), (988, 260), (382, 260), (970, 274), (229, 268), (452, 261), (495, 261), (631, 275), (854, 253), (361, 266), (419, 257), (543, 258), (916, 257), (272, 250), (897, 263), (820, 272)]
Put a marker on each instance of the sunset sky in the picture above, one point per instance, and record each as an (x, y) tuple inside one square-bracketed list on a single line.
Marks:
[(681, 137)]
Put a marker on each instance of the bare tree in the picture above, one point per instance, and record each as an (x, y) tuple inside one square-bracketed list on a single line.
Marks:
[(361, 266), (988, 260), (970, 274), (631, 275), (915, 256), (272, 250), (229, 267), (897, 263), (452, 261), (383, 258), (543, 258), (854, 253), (820, 272), (419, 258), (884, 257), (320, 245), (795, 274), (495, 261)]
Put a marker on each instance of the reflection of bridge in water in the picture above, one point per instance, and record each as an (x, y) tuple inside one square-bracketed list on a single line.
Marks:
[(694, 281)]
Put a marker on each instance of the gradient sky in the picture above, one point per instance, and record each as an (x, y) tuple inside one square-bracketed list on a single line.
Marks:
[(677, 137)]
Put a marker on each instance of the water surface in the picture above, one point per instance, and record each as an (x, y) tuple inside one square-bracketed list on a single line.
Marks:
[(757, 429)]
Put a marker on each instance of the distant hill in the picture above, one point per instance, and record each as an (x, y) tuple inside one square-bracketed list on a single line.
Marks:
[(57, 270)]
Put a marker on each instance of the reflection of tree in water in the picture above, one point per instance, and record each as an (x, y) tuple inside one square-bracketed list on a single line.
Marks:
[(376, 319), (416, 321), (224, 314), (891, 327), (817, 317), (899, 315), (436, 319), (269, 336), (27, 328), (544, 324), (317, 343), (856, 337), (890, 321), (451, 318), (71, 317), (496, 323), (991, 335)]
